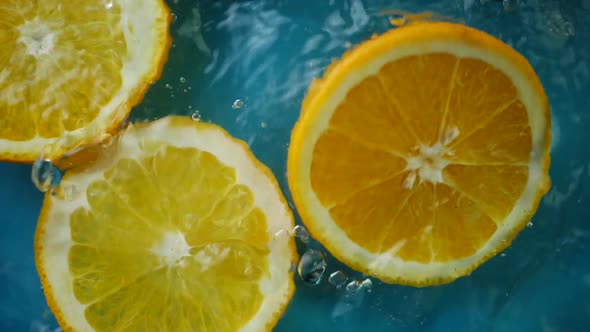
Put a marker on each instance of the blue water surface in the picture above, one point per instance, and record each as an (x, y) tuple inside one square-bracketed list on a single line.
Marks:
[(265, 53)]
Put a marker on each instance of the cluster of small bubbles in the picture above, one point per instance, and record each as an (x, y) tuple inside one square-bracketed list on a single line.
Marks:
[(238, 103), (311, 267), (263, 124), (338, 279), (301, 233), (45, 175), (355, 286), (168, 86)]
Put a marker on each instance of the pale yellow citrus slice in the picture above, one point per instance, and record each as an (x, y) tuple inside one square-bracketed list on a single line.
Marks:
[(422, 153), (70, 71), (172, 228)]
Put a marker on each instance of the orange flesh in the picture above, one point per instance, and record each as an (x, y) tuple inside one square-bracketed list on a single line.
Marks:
[(359, 168), (64, 88)]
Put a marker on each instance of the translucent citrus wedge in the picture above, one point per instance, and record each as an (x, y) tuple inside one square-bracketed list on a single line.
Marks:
[(70, 71), (422, 153), (170, 229)]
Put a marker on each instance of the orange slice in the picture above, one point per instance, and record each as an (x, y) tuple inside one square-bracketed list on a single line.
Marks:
[(422, 153), (70, 71), (172, 228)]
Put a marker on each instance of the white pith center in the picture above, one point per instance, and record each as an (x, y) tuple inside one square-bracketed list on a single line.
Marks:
[(172, 248), (429, 162), (37, 36)]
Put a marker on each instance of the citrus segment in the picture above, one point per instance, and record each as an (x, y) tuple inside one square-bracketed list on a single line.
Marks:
[(346, 172), (172, 228), (494, 188), (421, 153), (74, 69)]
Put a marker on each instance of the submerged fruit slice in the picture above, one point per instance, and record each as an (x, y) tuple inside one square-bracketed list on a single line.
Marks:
[(422, 153), (171, 229), (70, 71)]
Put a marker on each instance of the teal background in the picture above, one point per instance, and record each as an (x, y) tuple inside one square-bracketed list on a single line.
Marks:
[(266, 53)]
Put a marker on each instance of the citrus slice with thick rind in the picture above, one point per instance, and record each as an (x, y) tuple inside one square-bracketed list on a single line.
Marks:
[(422, 153), (70, 71), (172, 228)]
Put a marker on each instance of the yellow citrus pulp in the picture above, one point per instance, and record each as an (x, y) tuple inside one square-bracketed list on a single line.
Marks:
[(70, 71), (170, 229), (421, 153)]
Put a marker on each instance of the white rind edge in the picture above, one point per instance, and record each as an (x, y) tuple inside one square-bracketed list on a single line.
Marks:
[(384, 264), (143, 46), (276, 287)]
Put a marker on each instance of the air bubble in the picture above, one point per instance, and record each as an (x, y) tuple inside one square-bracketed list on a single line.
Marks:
[(529, 224), (182, 80), (311, 267), (355, 286), (196, 116), (263, 124), (45, 175), (301, 233), (338, 279), (238, 103)]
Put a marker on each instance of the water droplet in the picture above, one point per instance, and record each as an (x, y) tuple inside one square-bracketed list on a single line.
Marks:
[(311, 267), (238, 103), (263, 124), (196, 116), (338, 279), (182, 80), (529, 224), (301, 233), (45, 175)]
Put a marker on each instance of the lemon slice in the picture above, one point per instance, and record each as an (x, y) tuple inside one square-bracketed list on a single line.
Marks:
[(70, 71), (172, 228), (422, 153)]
